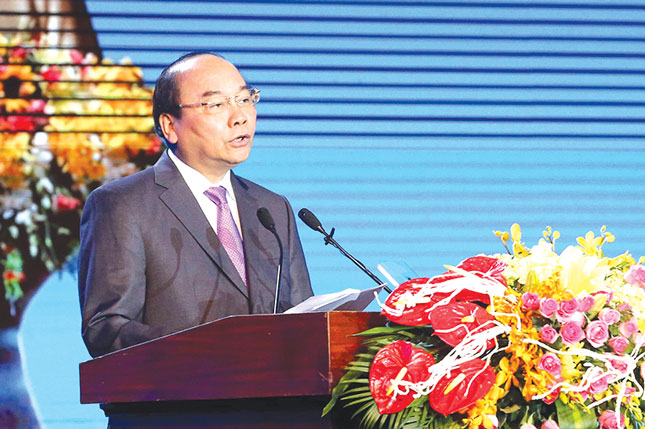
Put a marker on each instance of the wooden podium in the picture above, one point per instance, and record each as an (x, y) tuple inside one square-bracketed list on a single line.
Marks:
[(255, 371)]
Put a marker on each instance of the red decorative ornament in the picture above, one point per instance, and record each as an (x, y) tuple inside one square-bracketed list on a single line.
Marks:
[(399, 360), (470, 316), (462, 387)]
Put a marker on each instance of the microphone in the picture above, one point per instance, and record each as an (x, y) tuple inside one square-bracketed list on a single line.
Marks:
[(267, 221), (312, 222)]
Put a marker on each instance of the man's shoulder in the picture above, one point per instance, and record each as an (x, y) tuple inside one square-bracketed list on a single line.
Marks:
[(256, 190), (134, 185)]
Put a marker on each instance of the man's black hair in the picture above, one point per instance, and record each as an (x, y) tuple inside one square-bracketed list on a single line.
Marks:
[(165, 98)]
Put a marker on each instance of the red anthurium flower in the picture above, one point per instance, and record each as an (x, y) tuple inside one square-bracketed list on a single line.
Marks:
[(462, 387), (51, 74), (482, 267), (470, 316), (155, 146), (21, 123), (415, 312), (13, 275), (18, 54), (63, 203), (399, 360), (415, 315), (485, 266), (464, 295)]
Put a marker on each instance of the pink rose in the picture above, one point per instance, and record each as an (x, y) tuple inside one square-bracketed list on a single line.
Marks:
[(551, 364), (549, 424), (37, 106), (571, 333), (618, 344), (548, 307), (585, 304), (629, 328), (76, 56), (599, 381), (530, 301), (577, 318), (597, 333), (599, 386), (567, 310), (619, 365), (527, 426), (608, 420), (609, 316), (624, 307), (635, 276), (548, 334)]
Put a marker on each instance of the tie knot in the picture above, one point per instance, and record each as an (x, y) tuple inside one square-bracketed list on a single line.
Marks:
[(216, 194)]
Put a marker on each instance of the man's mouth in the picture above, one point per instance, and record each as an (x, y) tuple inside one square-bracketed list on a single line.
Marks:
[(241, 140)]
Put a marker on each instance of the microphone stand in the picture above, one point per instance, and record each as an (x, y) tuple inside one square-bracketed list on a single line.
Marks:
[(265, 218), (279, 278), (312, 222), (329, 239)]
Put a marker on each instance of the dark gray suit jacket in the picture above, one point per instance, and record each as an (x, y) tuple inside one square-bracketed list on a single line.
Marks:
[(150, 264)]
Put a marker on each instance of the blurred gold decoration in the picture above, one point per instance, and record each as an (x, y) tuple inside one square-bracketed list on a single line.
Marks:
[(68, 123)]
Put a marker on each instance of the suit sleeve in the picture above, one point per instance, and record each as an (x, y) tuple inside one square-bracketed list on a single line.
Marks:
[(300, 284), (112, 280)]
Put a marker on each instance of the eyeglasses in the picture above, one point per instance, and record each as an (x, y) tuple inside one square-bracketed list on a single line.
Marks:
[(214, 104)]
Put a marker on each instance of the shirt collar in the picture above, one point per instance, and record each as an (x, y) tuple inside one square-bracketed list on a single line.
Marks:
[(197, 182)]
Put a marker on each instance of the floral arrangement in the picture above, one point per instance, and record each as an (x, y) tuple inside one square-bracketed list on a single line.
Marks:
[(529, 339), (68, 123)]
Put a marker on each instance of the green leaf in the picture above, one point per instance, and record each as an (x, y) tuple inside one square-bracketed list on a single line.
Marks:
[(358, 369), (571, 416), (356, 402), (358, 395), (360, 363), (386, 330), (511, 409), (355, 380), (370, 415)]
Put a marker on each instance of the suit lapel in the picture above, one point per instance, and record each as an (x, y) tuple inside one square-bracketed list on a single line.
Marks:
[(180, 200), (260, 271)]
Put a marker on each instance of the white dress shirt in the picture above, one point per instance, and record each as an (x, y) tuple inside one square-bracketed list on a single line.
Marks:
[(198, 183)]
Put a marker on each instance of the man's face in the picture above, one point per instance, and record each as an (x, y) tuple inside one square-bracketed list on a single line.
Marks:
[(210, 143)]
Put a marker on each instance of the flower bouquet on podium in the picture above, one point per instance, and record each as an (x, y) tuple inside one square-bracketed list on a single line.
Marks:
[(528, 339)]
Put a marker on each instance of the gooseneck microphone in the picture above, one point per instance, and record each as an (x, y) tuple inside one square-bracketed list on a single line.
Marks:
[(312, 222), (267, 221)]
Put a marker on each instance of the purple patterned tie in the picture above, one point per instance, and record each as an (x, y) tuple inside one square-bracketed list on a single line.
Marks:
[(227, 231)]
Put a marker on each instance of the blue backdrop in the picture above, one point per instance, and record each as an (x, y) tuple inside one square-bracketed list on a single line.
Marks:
[(415, 128)]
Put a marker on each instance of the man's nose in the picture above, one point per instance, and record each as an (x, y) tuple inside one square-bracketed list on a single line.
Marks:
[(236, 114)]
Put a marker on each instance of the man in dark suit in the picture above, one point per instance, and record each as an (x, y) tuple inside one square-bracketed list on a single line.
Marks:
[(159, 252)]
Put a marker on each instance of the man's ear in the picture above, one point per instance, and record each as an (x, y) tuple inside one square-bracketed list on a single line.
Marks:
[(167, 127)]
